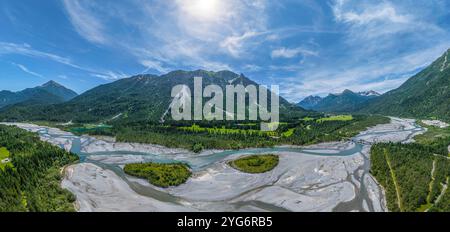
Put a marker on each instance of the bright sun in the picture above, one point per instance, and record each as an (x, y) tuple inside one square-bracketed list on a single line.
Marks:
[(205, 10)]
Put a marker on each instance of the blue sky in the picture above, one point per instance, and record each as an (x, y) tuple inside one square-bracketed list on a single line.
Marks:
[(305, 46)]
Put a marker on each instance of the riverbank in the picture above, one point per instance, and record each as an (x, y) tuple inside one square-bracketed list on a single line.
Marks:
[(105, 192), (323, 177)]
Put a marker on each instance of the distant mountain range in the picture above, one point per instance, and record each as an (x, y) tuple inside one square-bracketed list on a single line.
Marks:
[(346, 101), (310, 102), (138, 98), (48, 93), (425, 95)]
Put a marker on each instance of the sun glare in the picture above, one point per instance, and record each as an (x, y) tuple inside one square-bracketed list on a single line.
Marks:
[(202, 9)]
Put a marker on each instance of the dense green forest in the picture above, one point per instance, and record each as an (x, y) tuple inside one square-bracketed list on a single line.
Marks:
[(31, 183), (135, 99), (414, 175), (232, 135)]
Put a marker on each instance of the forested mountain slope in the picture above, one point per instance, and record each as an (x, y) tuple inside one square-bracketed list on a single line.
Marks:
[(31, 172), (48, 93), (139, 98), (425, 95)]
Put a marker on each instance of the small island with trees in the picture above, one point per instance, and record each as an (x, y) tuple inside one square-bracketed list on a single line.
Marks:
[(256, 163), (158, 174)]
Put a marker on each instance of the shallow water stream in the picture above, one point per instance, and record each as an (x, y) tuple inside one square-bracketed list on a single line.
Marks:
[(358, 146)]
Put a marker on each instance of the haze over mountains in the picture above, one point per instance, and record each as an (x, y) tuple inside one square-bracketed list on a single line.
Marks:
[(143, 97), (425, 95), (346, 101)]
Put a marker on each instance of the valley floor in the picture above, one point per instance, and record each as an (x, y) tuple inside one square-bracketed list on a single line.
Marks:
[(324, 177)]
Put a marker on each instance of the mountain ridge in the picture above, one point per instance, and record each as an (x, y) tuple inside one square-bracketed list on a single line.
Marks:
[(309, 102), (137, 98), (347, 101), (424, 95), (48, 93)]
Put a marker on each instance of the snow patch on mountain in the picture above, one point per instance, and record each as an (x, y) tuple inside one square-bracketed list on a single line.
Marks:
[(444, 64), (370, 93)]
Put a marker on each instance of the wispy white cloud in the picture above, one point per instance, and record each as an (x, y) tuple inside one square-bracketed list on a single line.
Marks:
[(215, 66), (381, 12), (234, 44), (26, 70), (10, 14), (292, 52), (175, 33), (362, 43), (374, 19), (28, 51), (85, 23), (110, 75), (286, 68), (383, 43), (154, 65), (379, 76), (252, 68)]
